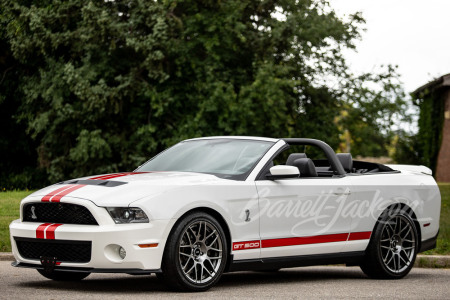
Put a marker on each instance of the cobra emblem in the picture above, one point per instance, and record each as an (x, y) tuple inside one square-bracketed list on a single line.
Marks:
[(33, 214), (247, 215)]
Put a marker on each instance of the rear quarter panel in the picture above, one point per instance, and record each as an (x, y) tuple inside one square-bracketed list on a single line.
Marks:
[(372, 194)]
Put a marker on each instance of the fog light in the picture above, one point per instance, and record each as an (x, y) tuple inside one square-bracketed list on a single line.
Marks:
[(122, 253)]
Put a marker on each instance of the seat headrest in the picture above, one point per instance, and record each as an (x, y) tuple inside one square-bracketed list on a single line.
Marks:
[(306, 167), (346, 161), (294, 156)]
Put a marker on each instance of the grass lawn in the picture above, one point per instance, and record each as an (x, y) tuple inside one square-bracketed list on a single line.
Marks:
[(443, 242), (9, 210), (10, 201)]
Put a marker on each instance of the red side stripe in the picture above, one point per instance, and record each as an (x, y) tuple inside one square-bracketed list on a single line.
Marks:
[(295, 241), (47, 197), (50, 232), (40, 230), (330, 238), (58, 197), (354, 236)]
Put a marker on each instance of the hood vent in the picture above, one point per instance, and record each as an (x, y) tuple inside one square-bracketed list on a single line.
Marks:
[(106, 183)]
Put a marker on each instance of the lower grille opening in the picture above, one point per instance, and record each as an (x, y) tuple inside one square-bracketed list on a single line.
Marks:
[(63, 250)]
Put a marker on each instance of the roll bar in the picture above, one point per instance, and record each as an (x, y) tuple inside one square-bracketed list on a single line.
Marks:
[(329, 152)]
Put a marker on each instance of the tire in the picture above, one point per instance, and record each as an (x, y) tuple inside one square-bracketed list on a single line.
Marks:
[(393, 247), (195, 255), (64, 276)]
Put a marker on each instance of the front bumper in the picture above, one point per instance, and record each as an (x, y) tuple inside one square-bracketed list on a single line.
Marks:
[(106, 240)]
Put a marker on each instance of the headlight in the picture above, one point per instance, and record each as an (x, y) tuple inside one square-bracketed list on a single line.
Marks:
[(123, 215)]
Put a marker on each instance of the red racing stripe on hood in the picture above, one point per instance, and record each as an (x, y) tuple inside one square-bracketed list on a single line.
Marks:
[(58, 197), (102, 177), (110, 176), (47, 197)]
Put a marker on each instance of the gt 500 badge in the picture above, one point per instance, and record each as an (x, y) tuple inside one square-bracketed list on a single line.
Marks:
[(246, 245)]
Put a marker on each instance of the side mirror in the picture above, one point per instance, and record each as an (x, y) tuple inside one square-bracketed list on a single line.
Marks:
[(283, 171)]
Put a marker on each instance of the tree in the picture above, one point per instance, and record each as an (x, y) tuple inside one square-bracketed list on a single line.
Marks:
[(110, 83)]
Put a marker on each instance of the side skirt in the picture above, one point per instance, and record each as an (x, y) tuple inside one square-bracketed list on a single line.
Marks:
[(349, 258)]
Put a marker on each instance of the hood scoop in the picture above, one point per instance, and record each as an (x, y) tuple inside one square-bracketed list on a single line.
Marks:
[(105, 183)]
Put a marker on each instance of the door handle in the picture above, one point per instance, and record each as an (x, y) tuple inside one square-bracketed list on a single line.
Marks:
[(342, 192)]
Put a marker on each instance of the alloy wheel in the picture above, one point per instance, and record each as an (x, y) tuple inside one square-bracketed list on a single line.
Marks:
[(397, 244), (200, 251)]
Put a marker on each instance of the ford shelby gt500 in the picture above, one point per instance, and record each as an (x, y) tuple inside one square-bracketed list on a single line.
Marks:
[(211, 205)]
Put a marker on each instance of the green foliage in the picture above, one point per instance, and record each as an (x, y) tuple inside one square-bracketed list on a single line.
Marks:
[(100, 86), (431, 120), (17, 151), (368, 117)]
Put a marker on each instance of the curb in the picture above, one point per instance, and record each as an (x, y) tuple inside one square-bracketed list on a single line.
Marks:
[(422, 261), (6, 256), (432, 261)]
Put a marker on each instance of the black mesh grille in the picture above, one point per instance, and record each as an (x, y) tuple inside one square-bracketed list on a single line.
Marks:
[(64, 213), (64, 251)]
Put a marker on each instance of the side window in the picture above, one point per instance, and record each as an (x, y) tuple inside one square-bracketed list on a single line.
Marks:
[(310, 160)]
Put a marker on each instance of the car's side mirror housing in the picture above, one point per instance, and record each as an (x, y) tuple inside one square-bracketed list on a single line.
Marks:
[(283, 171)]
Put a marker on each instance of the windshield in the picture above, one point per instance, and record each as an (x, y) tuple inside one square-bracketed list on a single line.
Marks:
[(226, 158)]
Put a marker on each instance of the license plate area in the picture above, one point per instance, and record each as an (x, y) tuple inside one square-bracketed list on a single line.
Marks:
[(48, 263)]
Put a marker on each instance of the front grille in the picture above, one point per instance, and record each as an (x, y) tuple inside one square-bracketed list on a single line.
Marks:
[(63, 250), (64, 213)]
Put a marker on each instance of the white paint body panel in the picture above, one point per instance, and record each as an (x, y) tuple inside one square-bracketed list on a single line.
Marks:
[(167, 196)]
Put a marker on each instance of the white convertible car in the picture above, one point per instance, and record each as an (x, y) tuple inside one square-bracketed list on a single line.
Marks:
[(220, 204)]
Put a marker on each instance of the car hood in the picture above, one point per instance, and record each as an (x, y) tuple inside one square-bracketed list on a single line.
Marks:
[(121, 189)]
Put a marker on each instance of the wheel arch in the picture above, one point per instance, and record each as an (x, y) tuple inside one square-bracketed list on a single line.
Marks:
[(410, 212), (214, 213)]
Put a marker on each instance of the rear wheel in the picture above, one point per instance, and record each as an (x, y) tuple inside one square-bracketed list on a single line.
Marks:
[(63, 276), (393, 248), (196, 254)]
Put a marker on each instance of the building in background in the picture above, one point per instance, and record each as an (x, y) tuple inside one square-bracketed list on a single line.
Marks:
[(433, 143)]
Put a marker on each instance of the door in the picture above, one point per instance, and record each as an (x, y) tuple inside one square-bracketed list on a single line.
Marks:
[(303, 216)]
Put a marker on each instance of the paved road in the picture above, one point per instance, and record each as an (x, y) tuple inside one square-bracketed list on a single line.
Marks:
[(309, 282)]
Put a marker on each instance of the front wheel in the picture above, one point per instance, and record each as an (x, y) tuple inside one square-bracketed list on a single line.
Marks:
[(196, 254), (64, 276), (393, 248)]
